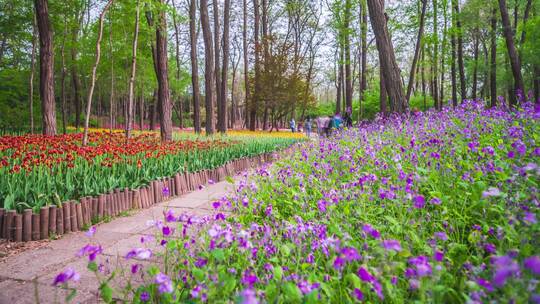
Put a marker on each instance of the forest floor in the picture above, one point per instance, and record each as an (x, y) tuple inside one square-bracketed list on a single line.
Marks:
[(27, 271)]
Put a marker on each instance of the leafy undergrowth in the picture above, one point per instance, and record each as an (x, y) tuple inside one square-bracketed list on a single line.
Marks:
[(433, 207)]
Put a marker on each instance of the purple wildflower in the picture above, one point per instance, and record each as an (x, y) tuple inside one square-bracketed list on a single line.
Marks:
[(365, 275), (505, 267), (357, 294), (248, 296), (166, 191), (91, 231), (419, 201), (164, 282), (491, 191), (216, 205), (249, 278), (391, 245), (533, 264), (65, 276), (140, 253), (485, 283), (145, 296), (90, 250)]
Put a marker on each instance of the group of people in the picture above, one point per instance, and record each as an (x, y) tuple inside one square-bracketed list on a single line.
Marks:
[(325, 124)]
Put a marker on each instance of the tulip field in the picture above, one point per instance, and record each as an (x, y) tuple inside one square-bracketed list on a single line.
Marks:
[(437, 207), (36, 171)]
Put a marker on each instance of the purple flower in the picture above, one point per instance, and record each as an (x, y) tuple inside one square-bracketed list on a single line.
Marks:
[(164, 282), (357, 293), (248, 296), (350, 254), (321, 204), (91, 231), (65, 276), (365, 275), (166, 191), (91, 251), (391, 245), (145, 296), (219, 216), (441, 235), (140, 253), (529, 217), (166, 230), (249, 278), (438, 256), (491, 191), (135, 268), (505, 267), (421, 263), (201, 262), (169, 216), (533, 264), (435, 201), (211, 182), (490, 248), (216, 205), (485, 283), (419, 201)]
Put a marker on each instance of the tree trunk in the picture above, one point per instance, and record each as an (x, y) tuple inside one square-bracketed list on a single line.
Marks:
[(461, 66), (383, 96), (493, 65), (453, 64), (444, 42), (246, 64), (254, 104), (363, 76), (177, 56), (435, 55), (133, 72), (46, 67), (423, 71), (112, 104), (217, 66), (62, 80), (512, 53), (222, 123), (193, 33), (475, 63), (339, 79), (141, 111), (74, 69), (164, 100), (209, 75), (32, 72), (348, 74), (525, 18), (94, 69), (417, 49), (386, 55)]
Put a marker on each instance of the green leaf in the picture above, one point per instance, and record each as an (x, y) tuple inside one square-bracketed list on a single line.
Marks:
[(292, 292), (278, 273), (198, 274), (106, 292), (218, 254)]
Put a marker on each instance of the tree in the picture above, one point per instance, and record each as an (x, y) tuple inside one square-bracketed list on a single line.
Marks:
[(162, 72), (347, 46), (209, 75), (512, 52), (256, 95), (493, 62), (459, 34), (94, 68), (46, 67), (363, 60), (133, 71), (417, 48), (194, 65), (222, 119), (246, 63), (387, 59), (435, 55), (32, 71)]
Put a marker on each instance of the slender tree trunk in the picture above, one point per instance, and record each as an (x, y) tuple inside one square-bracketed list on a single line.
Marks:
[(423, 71), (46, 67), (130, 110), (363, 76), (383, 96), (339, 79), (209, 75), (112, 104), (525, 18), (246, 64), (164, 99), (63, 80), (217, 65), (177, 45), (141, 111), (453, 64), (461, 66), (493, 64), (347, 44), (74, 69), (256, 97), (475, 63), (193, 33), (435, 55), (417, 48), (94, 69), (32, 72), (444, 43), (222, 123), (386, 55), (512, 52)]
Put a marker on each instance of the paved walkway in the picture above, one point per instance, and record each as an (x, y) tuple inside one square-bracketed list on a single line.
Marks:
[(32, 272)]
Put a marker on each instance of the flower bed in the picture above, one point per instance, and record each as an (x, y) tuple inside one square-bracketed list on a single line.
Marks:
[(435, 207)]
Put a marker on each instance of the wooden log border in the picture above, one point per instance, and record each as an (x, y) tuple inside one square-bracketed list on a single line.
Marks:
[(73, 216)]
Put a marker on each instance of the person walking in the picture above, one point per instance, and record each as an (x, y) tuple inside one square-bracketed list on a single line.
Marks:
[(307, 126), (337, 121), (329, 124), (292, 124)]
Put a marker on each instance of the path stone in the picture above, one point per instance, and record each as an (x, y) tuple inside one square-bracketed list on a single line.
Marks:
[(21, 275)]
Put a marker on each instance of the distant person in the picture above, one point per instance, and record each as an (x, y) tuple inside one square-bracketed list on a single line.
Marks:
[(329, 124), (307, 126), (337, 121), (292, 124), (348, 120)]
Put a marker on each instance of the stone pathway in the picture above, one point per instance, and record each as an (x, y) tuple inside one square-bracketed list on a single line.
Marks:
[(28, 276)]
